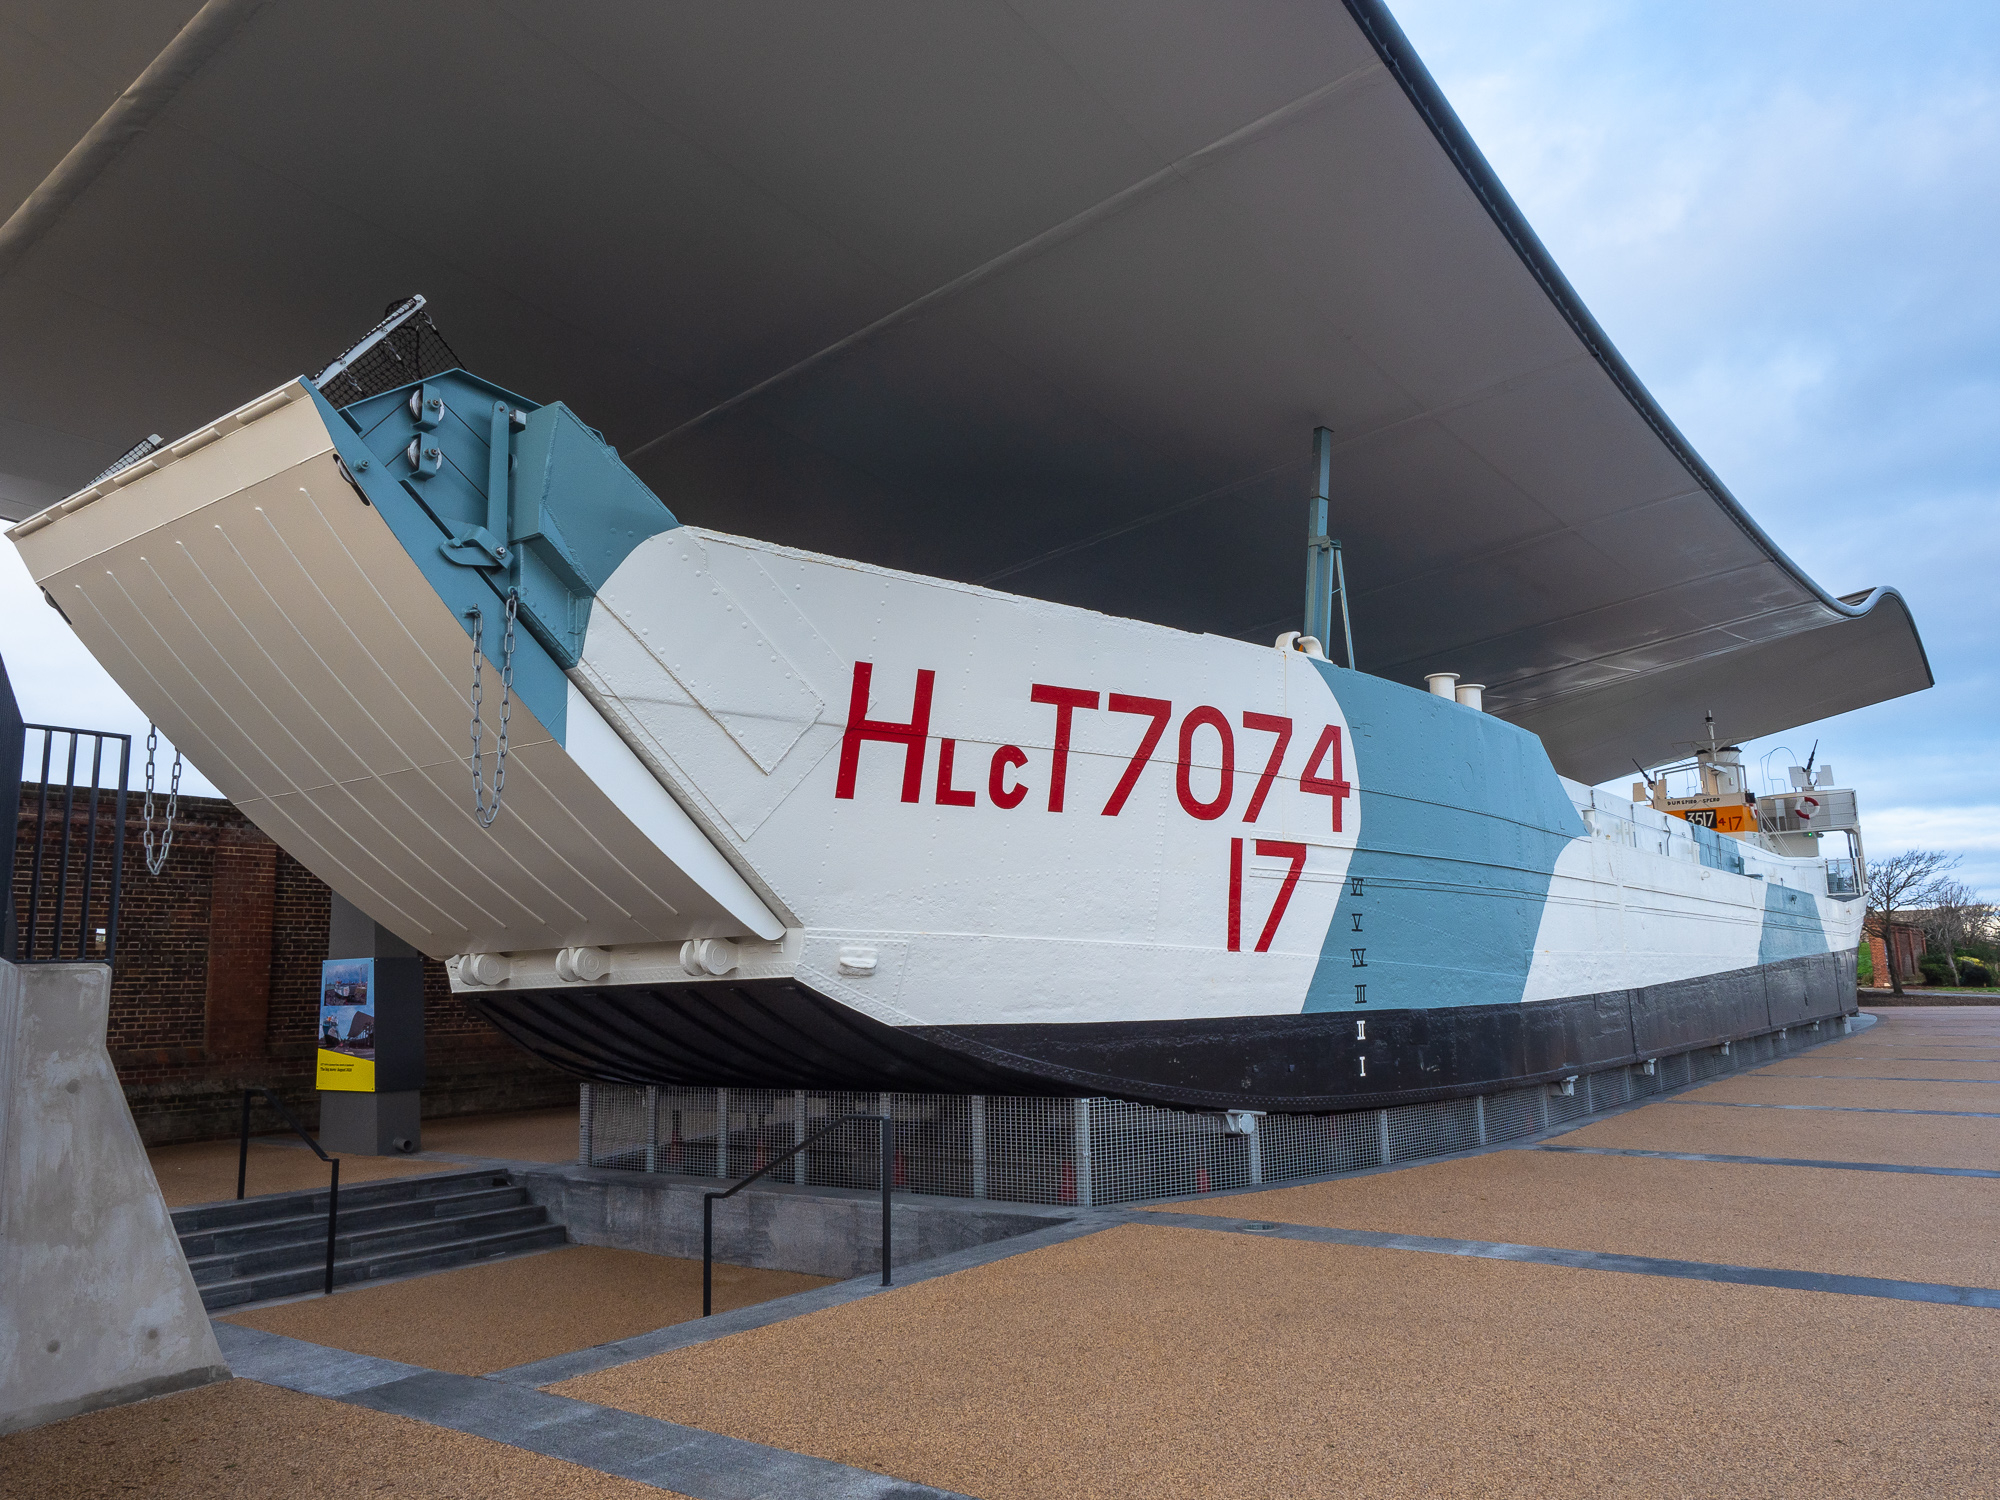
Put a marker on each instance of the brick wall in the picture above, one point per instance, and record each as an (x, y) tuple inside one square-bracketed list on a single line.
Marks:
[(1909, 949), (216, 979)]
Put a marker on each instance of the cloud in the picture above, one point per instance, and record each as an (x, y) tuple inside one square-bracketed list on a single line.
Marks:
[(1971, 832)]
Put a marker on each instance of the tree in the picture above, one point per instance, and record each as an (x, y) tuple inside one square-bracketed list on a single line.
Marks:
[(1903, 882), (1956, 917)]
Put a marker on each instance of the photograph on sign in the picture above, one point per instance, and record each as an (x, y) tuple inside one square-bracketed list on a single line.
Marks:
[(347, 1024)]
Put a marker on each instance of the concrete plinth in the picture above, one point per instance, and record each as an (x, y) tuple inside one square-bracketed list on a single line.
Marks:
[(371, 1124), (822, 1231), (97, 1306)]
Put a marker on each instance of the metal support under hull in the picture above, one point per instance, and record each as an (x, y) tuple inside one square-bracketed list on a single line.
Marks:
[(777, 1033)]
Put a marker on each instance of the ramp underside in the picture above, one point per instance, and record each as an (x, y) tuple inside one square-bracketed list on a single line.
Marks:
[(776, 1033), (265, 616)]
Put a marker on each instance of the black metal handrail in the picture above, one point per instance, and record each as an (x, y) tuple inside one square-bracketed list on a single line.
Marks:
[(30, 939), (708, 1200), (333, 1183)]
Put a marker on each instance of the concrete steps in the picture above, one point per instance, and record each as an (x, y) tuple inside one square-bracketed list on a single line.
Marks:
[(275, 1246)]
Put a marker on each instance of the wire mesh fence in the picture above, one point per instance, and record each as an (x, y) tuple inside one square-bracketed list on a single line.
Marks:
[(1032, 1149), (405, 346)]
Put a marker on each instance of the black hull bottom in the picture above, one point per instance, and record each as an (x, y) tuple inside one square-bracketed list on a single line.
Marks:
[(776, 1033)]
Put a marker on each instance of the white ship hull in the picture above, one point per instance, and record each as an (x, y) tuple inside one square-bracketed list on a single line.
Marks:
[(779, 819)]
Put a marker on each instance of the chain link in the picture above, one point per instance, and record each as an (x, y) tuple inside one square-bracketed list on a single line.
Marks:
[(484, 811), (158, 862)]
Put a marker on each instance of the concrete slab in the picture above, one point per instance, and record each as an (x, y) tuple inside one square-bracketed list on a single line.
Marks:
[(1170, 1362), (821, 1231), (96, 1303), (1936, 1229), (488, 1317), (255, 1354), (248, 1441)]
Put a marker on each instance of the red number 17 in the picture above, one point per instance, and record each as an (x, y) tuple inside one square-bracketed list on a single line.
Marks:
[(1266, 848)]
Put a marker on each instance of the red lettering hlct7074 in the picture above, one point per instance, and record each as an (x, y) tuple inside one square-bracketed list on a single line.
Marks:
[(1066, 701), (860, 728)]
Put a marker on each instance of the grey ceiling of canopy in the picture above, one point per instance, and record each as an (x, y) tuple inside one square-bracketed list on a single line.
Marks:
[(1048, 296)]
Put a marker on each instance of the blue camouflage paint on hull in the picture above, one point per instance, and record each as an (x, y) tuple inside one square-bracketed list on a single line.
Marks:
[(1792, 926), (574, 512), (1462, 820)]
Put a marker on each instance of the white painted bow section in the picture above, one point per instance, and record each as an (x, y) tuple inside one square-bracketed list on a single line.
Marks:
[(730, 667), (276, 629)]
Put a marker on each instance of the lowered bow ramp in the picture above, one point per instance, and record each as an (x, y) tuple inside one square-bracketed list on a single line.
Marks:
[(264, 613)]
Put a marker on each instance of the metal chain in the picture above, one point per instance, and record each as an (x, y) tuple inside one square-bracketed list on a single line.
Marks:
[(481, 809), (158, 862)]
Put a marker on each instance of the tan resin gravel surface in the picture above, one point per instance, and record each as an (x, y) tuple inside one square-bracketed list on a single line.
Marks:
[(1849, 1093), (1944, 1229), (532, 1135), (1884, 1066), (244, 1441), (205, 1171), (1167, 1363), (482, 1318)]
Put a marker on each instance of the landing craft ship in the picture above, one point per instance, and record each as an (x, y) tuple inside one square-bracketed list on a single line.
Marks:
[(763, 817), (963, 740)]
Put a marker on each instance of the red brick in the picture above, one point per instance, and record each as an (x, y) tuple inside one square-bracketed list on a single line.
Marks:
[(216, 980)]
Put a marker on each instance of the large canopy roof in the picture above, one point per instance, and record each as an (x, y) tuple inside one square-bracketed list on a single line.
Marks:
[(1045, 294)]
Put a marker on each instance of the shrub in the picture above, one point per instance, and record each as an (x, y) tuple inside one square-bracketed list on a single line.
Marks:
[(1974, 973), (1935, 970)]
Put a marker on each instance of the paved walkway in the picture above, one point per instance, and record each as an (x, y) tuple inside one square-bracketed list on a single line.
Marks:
[(1782, 1283)]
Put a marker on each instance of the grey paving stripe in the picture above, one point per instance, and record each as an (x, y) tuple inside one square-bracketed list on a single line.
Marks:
[(705, 1465), (1595, 1260), (273, 1359), (763, 1314), (1771, 1161), (1842, 1109)]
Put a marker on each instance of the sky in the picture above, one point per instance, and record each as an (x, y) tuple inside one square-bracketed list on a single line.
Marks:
[(1784, 213), (1787, 217)]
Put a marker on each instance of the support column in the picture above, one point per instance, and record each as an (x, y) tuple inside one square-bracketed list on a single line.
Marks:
[(652, 1128), (1083, 1190), (371, 1058), (722, 1132), (979, 1145)]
